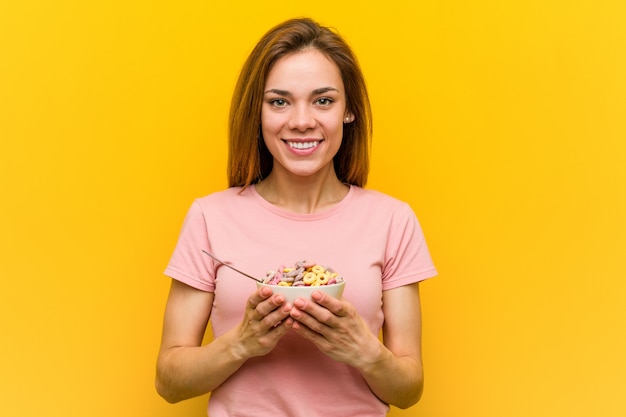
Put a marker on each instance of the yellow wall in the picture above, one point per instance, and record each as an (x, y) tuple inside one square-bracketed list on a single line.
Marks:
[(501, 122)]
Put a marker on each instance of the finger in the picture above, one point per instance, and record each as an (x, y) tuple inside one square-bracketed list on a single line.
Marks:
[(318, 311), (283, 326), (317, 338), (262, 302), (258, 296), (273, 303), (275, 317), (317, 322), (335, 305)]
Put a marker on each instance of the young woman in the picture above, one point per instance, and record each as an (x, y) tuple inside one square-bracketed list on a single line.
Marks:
[(300, 129)]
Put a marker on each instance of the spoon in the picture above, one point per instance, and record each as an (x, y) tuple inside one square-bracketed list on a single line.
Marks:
[(232, 267)]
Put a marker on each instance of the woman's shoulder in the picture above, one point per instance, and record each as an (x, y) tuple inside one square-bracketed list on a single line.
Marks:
[(222, 199), (375, 198), (221, 195)]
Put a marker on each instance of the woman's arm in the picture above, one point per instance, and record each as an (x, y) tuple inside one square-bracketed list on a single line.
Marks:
[(185, 368), (393, 369), (401, 356)]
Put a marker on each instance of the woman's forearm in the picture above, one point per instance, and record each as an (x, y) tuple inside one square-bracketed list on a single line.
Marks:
[(394, 380), (186, 372)]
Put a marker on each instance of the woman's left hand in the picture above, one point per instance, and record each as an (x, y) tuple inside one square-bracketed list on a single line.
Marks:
[(336, 328)]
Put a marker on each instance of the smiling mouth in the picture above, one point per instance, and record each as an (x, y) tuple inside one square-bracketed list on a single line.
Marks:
[(303, 145)]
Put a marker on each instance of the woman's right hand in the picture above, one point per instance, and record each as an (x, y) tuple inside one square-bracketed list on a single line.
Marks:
[(265, 321), (185, 367)]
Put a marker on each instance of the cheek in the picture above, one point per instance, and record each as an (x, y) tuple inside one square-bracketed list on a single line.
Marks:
[(335, 127), (270, 123)]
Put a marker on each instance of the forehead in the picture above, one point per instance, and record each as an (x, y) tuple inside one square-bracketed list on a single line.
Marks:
[(308, 68)]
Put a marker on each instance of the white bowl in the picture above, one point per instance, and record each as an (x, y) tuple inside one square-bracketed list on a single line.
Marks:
[(291, 293)]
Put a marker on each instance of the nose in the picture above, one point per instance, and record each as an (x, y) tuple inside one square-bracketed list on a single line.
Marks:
[(302, 118)]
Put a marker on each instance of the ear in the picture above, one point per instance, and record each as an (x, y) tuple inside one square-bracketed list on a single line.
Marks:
[(349, 118)]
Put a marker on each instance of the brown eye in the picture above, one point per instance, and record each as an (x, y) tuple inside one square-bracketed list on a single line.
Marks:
[(278, 102), (324, 101)]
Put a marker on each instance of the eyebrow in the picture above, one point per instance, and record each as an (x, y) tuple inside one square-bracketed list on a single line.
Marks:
[(288, 94)]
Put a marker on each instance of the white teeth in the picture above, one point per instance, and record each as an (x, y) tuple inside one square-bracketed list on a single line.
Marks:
[(303, 145)]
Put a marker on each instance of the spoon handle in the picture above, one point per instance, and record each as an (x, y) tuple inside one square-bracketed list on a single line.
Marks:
[(231, 267)]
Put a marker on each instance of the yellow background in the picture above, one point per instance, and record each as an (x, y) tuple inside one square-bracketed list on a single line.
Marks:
[(501, 122)]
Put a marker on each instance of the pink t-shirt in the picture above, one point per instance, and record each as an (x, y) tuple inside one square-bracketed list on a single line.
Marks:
[(374, 241)]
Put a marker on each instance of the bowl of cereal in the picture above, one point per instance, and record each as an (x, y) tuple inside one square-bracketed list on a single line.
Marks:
[(302, 279)]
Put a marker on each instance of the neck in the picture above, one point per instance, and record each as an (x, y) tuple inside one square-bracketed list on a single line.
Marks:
[(302, 194)]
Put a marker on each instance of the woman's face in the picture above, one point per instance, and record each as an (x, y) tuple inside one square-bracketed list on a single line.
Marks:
[(303, 112)]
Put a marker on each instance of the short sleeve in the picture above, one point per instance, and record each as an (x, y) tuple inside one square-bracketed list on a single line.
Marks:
[(188, 264), (407, 258)]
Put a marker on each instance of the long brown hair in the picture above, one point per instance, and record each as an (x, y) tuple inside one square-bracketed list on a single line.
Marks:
[(249, 160)]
